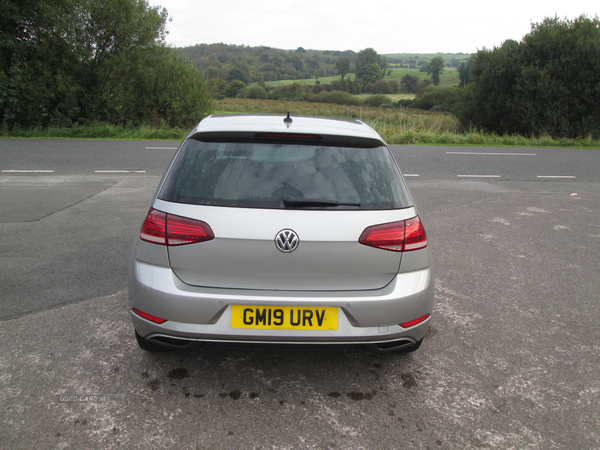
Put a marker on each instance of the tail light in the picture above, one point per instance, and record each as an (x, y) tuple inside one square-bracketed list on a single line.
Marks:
[(402, 236), (168, 229)]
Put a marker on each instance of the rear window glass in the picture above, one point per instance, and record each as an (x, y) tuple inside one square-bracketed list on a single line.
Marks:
[(260, 175)]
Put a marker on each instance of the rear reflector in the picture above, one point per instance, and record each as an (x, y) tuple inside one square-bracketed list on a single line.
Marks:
[(167, 229), (149, 317), (402, 236), (412, 323)]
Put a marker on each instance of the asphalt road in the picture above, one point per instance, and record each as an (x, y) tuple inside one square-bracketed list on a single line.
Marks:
[(69, 208), (510, 362)]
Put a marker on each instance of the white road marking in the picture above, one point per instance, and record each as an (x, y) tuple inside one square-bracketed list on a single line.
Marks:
[(556, 176), (119, 171), (26, 171), (501, 154), (478, 176), (411, 175), (161, 148)]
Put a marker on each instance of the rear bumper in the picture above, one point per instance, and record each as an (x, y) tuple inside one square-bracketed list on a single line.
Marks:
[(196, 314)]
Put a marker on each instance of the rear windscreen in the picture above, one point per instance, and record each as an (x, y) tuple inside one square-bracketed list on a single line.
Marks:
[(260, 175)]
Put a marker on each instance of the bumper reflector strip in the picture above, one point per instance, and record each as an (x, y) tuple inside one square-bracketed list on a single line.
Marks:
[(414, 322)]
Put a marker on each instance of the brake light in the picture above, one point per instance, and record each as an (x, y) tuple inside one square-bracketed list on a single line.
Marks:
[(401, 236), (310, 137), (389, 236), (181, 231), (168, 229)]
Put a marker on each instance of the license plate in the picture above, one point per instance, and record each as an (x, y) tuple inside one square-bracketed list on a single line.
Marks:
[(284, 317)]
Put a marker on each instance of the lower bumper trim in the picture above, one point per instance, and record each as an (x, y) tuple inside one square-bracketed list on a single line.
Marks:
[(168, 342)]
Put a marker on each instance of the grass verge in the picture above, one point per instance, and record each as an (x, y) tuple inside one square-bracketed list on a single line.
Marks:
[(400, 125), (396, 125), (100, 131)]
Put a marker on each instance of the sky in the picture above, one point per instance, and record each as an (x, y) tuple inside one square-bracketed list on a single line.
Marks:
[(388, 26)]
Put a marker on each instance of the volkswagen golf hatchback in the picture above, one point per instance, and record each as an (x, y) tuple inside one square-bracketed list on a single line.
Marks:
[(269, 229)]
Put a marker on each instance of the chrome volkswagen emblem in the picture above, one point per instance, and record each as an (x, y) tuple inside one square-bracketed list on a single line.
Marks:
[(286, 241)]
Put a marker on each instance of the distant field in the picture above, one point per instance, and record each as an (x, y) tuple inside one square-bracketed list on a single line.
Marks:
[(447, 78), (309, 81), (418, 56), (394, 97)]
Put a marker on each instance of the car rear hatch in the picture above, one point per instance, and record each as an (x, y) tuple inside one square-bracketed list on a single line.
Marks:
[(248, 188), (245, 253)]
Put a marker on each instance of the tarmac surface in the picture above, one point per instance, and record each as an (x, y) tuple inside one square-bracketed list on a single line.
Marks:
[(511, 360)]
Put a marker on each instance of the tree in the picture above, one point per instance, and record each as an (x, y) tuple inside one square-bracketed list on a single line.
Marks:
[(212, 72), (232, 88), (342, 66), (549, 83), (237, 74), (254, 91), (68, 61), (369, 57), (369, 73), (434, 68), (298, 63), (409, 83), (464, 72)]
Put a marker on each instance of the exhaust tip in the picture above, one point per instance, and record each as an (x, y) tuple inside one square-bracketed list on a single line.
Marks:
[(392, 346)]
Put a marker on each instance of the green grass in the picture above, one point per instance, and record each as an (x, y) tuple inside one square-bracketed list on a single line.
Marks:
[(100, 131), (427, 56), (309, 81), (394, 97), (447, 78)]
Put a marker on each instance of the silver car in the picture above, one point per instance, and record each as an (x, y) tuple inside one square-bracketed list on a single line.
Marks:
[(269, 229)]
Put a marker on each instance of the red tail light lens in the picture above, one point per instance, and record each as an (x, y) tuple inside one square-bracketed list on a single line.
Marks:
[(402, 236), (167, 229), (154, 228), (389, 236), (415, 237), (181, 231)]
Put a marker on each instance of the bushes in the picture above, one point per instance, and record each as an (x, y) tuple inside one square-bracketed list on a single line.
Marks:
[(253, 91), (294, 91), (232, 89), (345, 85), (382, 87), (338, 97), (377, 100), (438, 98)]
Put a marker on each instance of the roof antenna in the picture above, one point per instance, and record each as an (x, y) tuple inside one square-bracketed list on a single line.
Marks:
[(288, 119)]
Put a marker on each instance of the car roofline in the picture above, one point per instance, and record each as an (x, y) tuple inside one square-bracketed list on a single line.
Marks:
[(246, 126)]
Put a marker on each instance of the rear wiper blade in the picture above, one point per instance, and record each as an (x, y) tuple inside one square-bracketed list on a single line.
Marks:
[(288, 200)]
